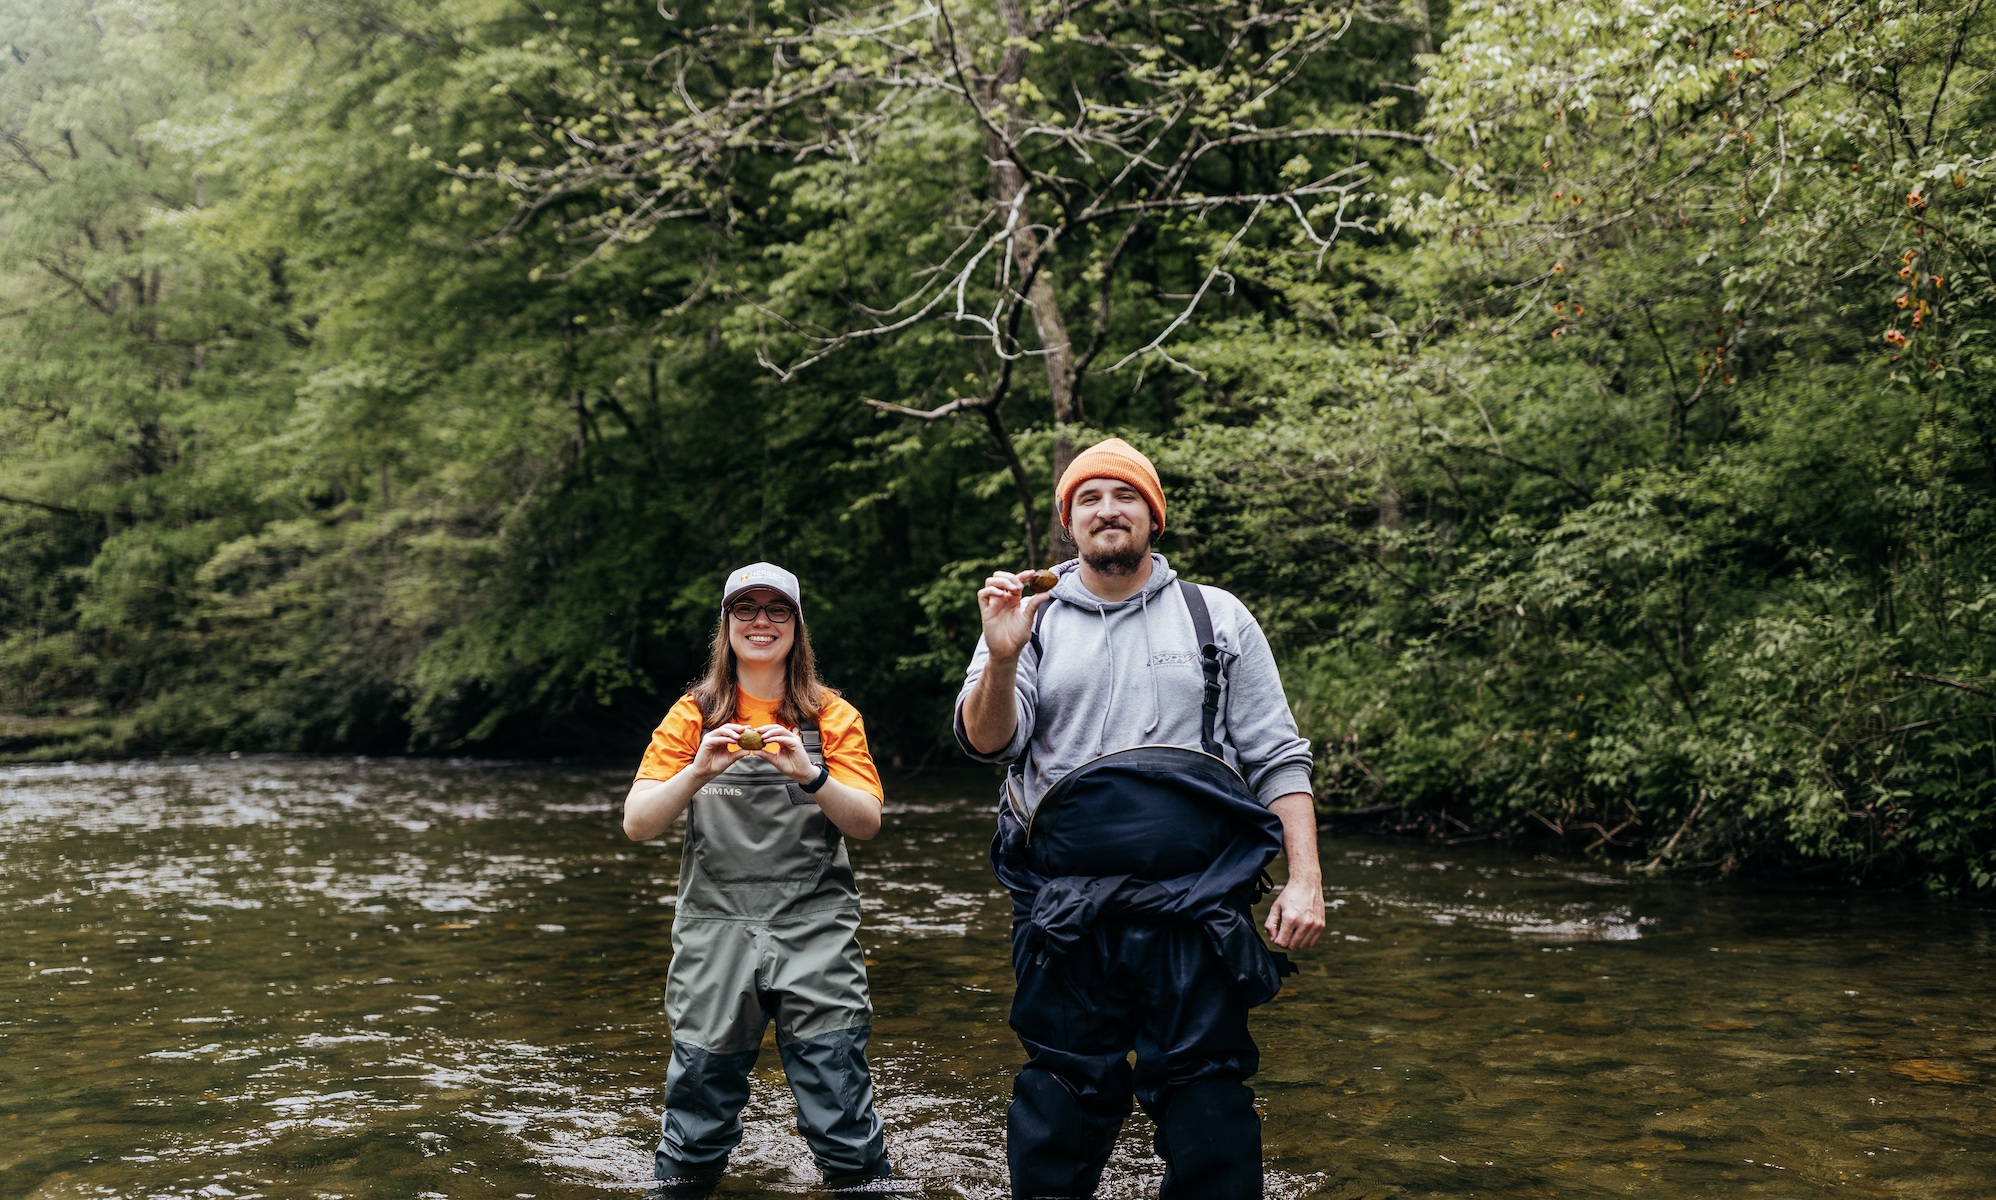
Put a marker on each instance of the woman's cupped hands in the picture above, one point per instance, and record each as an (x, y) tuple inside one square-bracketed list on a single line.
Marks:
[(722, 747)]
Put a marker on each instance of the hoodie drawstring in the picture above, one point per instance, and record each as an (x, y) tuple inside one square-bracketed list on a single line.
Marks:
[(1109, 652), (1150, 662)]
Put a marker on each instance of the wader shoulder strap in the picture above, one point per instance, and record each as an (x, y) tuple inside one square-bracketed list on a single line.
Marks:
[(1210, 661), (813, 737), (1209, 666)]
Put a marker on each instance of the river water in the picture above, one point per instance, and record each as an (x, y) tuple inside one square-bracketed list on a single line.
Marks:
[(319, 977)]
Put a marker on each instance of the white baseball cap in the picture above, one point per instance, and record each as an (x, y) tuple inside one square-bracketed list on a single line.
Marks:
[(763, 575)]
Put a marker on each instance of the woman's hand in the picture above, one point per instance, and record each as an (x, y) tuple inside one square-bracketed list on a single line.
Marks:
[(855, 813), (785, 751), (713, 756)]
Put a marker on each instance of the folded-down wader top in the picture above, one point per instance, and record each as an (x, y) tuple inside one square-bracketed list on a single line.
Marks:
[(1148, 833), (1152, 833)]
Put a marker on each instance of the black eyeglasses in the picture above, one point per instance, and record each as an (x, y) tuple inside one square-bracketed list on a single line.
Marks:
[(747, 611)]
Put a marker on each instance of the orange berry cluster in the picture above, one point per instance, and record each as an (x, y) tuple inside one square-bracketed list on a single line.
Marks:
[(1909, 299)]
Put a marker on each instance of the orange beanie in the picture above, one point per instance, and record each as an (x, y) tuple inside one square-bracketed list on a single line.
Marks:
[(1113, 459)]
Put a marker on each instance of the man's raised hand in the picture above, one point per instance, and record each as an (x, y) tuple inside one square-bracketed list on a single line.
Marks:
[(1007, 614)]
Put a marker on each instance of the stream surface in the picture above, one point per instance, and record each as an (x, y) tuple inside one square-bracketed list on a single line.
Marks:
[(352, 978)]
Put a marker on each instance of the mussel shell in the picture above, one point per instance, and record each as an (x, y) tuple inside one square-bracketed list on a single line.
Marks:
[(749, 740), (1039, 581)]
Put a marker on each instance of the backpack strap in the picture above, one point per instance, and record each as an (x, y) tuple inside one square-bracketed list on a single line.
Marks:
[(1209, 666), (1039, 614), (1018, 767)]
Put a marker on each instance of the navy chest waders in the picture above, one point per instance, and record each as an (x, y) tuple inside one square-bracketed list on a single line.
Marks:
[(766, 928), (1132, 883)]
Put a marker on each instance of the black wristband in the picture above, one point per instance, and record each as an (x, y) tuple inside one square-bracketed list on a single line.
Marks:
[(824, 773)]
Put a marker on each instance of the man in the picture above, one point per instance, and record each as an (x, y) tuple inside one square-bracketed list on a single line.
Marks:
[(1131, 856)]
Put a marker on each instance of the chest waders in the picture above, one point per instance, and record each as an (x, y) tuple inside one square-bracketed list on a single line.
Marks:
[(1132, 883), (766, 929)]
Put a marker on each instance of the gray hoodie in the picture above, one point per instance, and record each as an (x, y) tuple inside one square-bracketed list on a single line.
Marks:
[(1121, 673)]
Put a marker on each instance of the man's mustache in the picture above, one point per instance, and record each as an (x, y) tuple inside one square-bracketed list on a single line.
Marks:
[(1109, 523)]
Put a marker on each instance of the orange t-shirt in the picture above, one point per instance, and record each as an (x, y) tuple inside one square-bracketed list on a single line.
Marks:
[(677, 740)]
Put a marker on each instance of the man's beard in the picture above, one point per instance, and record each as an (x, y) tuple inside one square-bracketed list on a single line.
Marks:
[(1125, 561)]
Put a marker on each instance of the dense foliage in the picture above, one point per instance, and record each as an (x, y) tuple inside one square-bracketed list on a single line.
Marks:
[(1593, 398)]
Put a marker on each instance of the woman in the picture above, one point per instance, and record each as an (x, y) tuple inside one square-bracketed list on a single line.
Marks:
[(768, 917)]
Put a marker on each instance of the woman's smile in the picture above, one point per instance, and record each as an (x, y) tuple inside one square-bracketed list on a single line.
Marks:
[(759, 642)]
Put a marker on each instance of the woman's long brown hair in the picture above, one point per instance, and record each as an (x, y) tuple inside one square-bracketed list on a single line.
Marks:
[(804, 694)]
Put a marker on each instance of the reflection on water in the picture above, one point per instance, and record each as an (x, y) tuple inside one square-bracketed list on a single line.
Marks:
[(443, 979)]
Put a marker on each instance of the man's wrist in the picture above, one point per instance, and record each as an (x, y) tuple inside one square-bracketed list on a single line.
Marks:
[(1004, 660)]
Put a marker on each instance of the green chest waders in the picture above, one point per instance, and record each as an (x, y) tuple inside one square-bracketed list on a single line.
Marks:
[(766, 929)]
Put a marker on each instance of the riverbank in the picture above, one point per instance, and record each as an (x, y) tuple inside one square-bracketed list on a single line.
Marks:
[(54, 739)]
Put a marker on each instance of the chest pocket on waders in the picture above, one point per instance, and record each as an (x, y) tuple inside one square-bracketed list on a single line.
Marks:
[(753, 825)]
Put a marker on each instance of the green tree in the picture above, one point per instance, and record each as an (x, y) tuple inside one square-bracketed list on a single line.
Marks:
[(1027, 182), (1594, 405), (1662, 519)]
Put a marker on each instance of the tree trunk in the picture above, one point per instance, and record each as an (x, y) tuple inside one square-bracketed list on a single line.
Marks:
[(1030, 520), (1048, 321), (1424, 42)]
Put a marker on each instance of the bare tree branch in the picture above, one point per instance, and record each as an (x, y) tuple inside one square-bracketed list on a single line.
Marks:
[(1157, 343), (960, 404), (1944, 682)]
